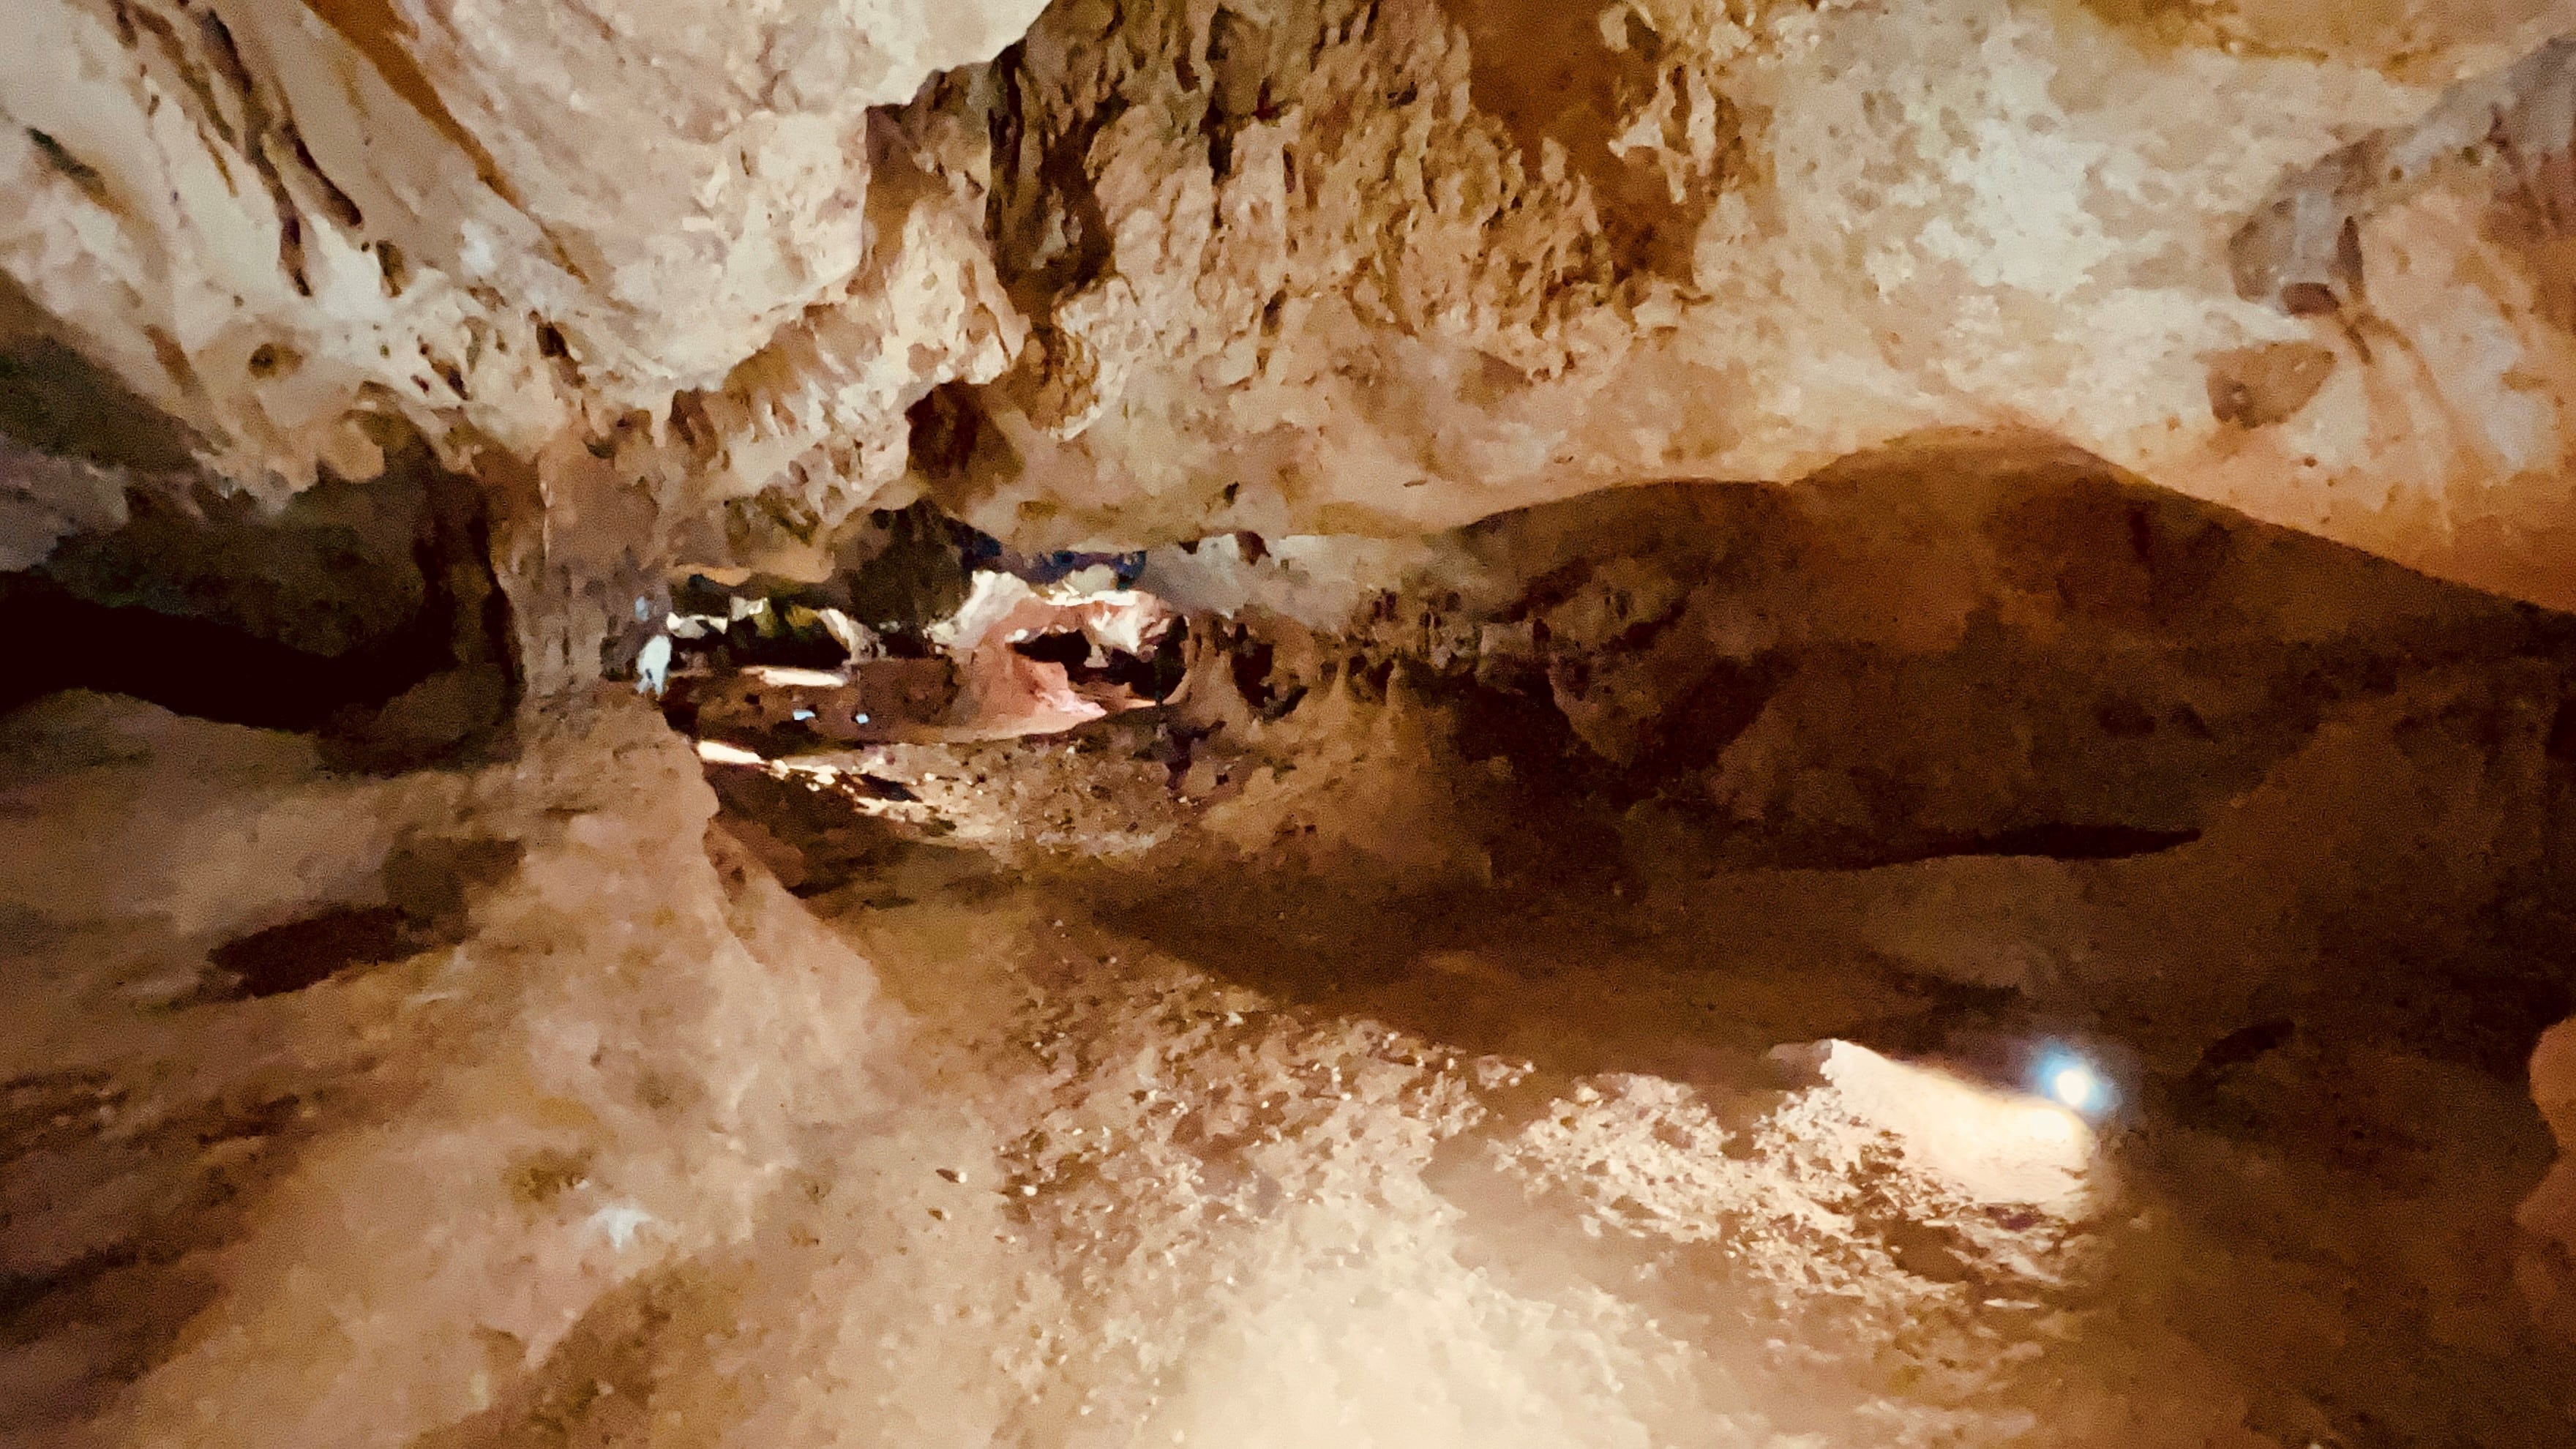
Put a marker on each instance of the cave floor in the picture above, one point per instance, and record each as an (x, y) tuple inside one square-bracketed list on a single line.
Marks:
[(612, 1140), (1373, 1139)]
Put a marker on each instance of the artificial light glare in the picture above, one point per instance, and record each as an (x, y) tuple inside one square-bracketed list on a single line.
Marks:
[(2072, 1082)]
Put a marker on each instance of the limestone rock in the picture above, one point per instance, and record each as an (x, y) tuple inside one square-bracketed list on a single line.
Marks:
[(1170, 270), (505, 223), (45, 499), (502, 1100), (1379, 268)]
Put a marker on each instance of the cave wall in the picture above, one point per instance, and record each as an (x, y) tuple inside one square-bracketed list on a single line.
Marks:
[(327, 325)]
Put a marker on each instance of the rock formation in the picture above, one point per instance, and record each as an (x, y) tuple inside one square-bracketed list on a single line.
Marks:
[(1287, 721), (1128, 274)]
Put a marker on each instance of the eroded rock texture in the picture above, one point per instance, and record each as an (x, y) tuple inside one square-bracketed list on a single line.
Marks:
[(1382, 1043), (1674, 592), (1162, 270)]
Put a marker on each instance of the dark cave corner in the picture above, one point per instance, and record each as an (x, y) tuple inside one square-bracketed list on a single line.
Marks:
[(365, 614)]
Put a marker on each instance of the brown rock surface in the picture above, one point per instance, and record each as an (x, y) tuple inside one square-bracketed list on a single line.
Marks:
[(1681, 602), (1167, 270)]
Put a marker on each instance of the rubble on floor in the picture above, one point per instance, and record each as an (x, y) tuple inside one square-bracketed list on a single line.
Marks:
[(956, 1153)]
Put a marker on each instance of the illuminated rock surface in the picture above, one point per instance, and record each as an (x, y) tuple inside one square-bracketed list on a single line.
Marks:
[(585, 1132), (1302, 722), (1165, 270), (1382, 1064)]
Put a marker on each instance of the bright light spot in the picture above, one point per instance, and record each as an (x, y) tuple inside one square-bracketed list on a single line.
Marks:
[(618, 1222), (716, 752), (653, 666), (800, 715), (1996, 1146), (780, 676), (2074, 1084)]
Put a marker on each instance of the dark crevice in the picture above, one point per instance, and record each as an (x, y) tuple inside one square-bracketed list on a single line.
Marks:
[(1153, 677), (54, 400), (1069, 649), (302, 953), (946, 425), (1042, 191), (195, 666), (2059, 840), (2562, 732), (1815, 848), (431, 886), (2241, 1047), (80, 173), (170, 612)]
